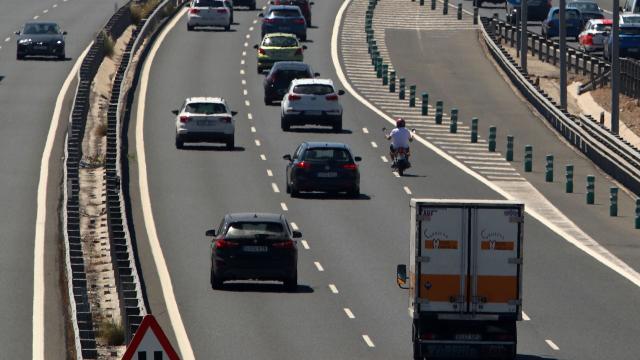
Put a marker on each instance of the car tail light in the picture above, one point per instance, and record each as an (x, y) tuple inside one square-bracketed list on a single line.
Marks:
[(299, 51), (288, 244), (261, 51), (303, 165), (222, 11), (193, 11), (268, 21), (225, 244), (332, 97), (293, 97), (298, 21), (225, 119), (429, 336), (350, 166), (588, 39), (184, 119), (504, 337)]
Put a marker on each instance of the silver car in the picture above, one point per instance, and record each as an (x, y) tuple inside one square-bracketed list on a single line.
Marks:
[(205, 119)]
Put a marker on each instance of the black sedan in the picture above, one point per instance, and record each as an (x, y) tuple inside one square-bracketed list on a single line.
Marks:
[(280, 76), (254, 246), (323, 166), (41, 39)]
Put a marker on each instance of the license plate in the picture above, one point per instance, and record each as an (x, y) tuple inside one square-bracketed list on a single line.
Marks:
[(313, 112), (327, 174), (255, 248), (204, 122), (468, 337), (39, 47)]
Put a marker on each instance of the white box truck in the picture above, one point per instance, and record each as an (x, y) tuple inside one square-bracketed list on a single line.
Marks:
[(464, 277)]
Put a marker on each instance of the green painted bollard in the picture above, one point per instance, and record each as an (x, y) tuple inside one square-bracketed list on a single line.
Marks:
[(412, 96), (445, 7), (509, 154), (637, 214), (385, 74), (459, 11), (569, 185), (492, 138), (453, 124), (433, 4), (548, 171), (392, 81), (425, 104), (613, 201), (421, 2), (528, 158), (591, 189), (401, 90), (439, 110), (379, 68), (474, 130)]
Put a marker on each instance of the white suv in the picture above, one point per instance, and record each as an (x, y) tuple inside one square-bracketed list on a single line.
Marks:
[(311, 101), (205, 119), (208, 13)]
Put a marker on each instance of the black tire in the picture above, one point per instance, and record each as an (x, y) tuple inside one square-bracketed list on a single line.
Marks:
[(268, 102), (337, 127), (294, 191), (227, 28), (354, 193), (19, 56), (400, 171), (284, 124), (304, 37), (62, 56), (190, 28), (216, 282), (179, 143), (291, 283), (288, 188), (259, 70), (231, 144)]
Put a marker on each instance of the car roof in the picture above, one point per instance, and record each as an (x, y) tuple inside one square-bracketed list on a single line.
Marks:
[(312, 81), (290, 65), (41, 22), (280, 34), (329, 145), (254, 216), (205, 99), (284, 7)]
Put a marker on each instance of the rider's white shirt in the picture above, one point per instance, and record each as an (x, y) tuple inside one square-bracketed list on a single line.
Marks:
[(400, 138)]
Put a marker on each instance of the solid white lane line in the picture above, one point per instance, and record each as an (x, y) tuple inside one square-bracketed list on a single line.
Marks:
[(179, 330), (349, 313), (367, 339), (407, 190), (258, 142), (246, 102), (269, 173), (284, 206), (365, 130), (241, 71), (294, 226), (333, 288), (305, 244), (384, 158), (263, 157), (253, 129), (373, 143), (552, 345), (274, 186), (249, 116), (318, 266), (525, 317)]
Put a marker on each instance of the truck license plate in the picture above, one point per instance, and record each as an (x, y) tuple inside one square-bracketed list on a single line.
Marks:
[(255, 248), (327, 174), (468, 337)]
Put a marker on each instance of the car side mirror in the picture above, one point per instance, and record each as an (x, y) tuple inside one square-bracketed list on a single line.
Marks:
[(304, 47), (401, 276), (287, 157), (17, 32), (357, 158), (255, 46), (64, 32), (234, 113), (316, 74), (340, 92), (312, 3), (297, 234), (175, 112), (210, 233), (261, 15), (272, 2)]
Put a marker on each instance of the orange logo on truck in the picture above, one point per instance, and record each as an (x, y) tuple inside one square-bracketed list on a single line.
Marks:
[(441, 244), (496, 245)]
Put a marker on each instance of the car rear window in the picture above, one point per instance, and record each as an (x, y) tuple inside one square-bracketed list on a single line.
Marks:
[(282, 41), (327, 154), (205, 108), (602, 27), (41, 29), (285, 76), (631, 19), (591, 7), (572, 14), (208, 3), (253, 228), (285, 13), (313, 89), (630, 31)]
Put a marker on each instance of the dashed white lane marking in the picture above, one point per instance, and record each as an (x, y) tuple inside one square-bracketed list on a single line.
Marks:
[(274, 186), (255, 21), (264, 8), (244, 82), (242, 62), (269, 173), (249, 116), (552, 345), (241, 71), (244, 53), (395, 173), (246, 102), (373, 143), (7, 39), (525, 317), (305, 244), (384, 158), (367, 339), (263, 157), (258, 142), (246, 44), (294, 226), (55, 6), (365, 130), (333, 288), (284, 206), (250, 28), (45, 11), (36, 17), (248, 36), (349, 313), (253, 129), (407, 190), (318, 266)]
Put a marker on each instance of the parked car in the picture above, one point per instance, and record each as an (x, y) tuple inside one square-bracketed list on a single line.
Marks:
[(254, 246), (278, 47), (589, 9), (284, 19), (304, 5), (208, 13), (631, 6), (629, 18), (629, 42), (204, 119), (322, 166), (551, 25), (311, 101), (279, 78), (593, 36), (251, 4), (41, 39), (537, 10)]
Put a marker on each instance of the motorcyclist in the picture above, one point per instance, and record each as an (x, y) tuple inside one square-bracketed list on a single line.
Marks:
[(400, 138)]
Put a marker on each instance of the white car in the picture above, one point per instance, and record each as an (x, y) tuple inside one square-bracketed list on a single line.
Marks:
[(311, 101), (593, 36), (208, 13), (629, 18), (205, 119)]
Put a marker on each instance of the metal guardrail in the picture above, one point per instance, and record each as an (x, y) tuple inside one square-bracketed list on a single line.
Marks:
[(615, 156)]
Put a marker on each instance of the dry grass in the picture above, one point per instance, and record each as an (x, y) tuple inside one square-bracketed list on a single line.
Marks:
[(101, 130), (109, 45), (141, 11), (111, 332)]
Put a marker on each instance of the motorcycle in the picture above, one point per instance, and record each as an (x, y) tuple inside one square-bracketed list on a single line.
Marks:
[(401, 158)]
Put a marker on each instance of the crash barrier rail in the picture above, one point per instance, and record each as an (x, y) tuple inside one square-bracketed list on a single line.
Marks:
[(610, 152), (128, 281)]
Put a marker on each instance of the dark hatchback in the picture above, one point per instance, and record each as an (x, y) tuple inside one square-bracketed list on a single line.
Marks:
[(537, 10), (284, 19), (588, 10), (40, 39), (304, 5), (254, 246), (279, 78), (322, 166)]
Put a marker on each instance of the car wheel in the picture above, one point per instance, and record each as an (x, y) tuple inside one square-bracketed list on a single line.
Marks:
[(227, 28), (355, 192), (288, 188), (268, 102), (337, 127), (19, 56), (284, 124), (179, 143), (190, 28), (216, 281), (400, 171), (62, 56), (259, 70), (291, 283), (294, 191), (231, 144), (304, 37)]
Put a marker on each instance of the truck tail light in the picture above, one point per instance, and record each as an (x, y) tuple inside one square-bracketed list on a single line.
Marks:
[(225, 244), (303, 165), (184, 119), (331, 97), (194, 11), (293, 97), (288, 244)]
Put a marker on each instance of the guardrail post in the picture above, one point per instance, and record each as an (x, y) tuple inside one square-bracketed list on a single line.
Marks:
[(593, 70), (539, 47), (555, 55), (601, 118), (492, 138), (568, 188), (475, 16), (439, 110), (385, 74), (374, 53), (570, 53), (392, 81), (412, 96), (433, 4), (637, 214), (453, 124), (401, 90), (547, 50), (459, 11), (474, 130), (528, 158), (613, 201), (425, 103), (509, 154), (548, 173), (445, 7), (379, 68), (591, 189)]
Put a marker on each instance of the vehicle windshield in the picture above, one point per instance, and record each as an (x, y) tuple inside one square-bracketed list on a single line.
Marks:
[(208, 3), (313, 89), (205, 108), (253, 228), (585, 6), (284, 13), (631, 19), (41, 29), (327, 154), (571, 14), (630, 31), (280, 41)]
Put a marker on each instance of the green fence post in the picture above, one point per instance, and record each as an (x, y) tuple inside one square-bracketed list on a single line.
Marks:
[(433, 4), (459, 11), (474, 130), (569, 185), (509, 154), (392, 81), (425, 103), (453, 125), (401, 90), (379, 68), (528, 158), (613, 197), (591, 189), (421, 2), (492, 138), (439, 110), (445, 7), (412, 96), (548, 173), (385, 74)]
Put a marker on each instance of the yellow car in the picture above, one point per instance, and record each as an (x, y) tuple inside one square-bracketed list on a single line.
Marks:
[(278, 47)]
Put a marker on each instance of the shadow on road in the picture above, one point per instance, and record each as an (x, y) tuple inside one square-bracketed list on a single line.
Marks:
[(331, 196), (211, 148), (265, 288), (534, 357), (316, 130), (213, 30)]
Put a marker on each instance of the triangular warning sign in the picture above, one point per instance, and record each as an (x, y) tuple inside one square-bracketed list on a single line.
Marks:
[(149, 342)]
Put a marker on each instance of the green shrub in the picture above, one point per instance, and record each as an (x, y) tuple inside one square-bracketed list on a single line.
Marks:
[(109, 44), (111, 332), (141, 11)]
